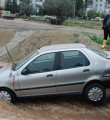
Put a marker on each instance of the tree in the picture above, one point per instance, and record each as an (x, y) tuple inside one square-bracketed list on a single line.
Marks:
[(81, 13), (79, 8), (0, 8), (26, 7), (93, 14), (12, 6), (40, 11), (15, 7), (59, 8)]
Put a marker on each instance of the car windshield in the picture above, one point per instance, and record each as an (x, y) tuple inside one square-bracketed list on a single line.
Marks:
[(102, 54), (22, 62)]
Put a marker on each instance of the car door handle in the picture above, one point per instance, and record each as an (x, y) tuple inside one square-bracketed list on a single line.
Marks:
[(50, 75), (86, 70)]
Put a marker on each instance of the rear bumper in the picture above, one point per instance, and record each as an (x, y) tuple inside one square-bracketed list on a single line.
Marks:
[(106, 81)]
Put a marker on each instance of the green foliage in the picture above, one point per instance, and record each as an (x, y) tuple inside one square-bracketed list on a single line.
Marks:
[(76, 41), (96, 39), (83, 24), (81, 12), (80, 8), (40, 11), (26, 7), (59, 8), (12, 6), (79, 4), (93, 14), (0, 8)]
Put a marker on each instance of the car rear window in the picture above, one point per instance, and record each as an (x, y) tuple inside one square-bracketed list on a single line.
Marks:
[(100, 53)]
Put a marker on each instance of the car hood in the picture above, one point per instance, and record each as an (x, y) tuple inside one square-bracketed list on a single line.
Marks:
[(5, 71)]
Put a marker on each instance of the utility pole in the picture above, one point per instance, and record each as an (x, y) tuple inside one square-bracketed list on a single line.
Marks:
[(74, 2)]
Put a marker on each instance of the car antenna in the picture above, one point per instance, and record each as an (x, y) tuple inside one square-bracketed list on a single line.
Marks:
[(10, 56)]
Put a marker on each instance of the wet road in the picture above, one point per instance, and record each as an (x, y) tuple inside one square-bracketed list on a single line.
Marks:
[(55, 108)]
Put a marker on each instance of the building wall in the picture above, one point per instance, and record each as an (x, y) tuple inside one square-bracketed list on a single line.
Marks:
[(2, 2), (98, 5), (37, 4)]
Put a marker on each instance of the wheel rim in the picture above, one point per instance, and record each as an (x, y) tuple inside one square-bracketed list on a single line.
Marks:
[(95, 94), (4, 95)]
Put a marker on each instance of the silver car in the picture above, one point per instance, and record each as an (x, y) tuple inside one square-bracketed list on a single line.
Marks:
[(58, 69)]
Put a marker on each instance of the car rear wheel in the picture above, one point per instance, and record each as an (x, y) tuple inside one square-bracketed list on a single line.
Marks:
[(95, 93), (7, 95)]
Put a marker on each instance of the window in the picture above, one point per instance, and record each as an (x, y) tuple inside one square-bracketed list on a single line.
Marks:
[(102, 54), (22, 62), (100, 5), (73, 59), (43, 63), (100, 0)]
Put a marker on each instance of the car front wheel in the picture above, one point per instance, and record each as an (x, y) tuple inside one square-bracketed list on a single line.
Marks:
[(7, 95), (95, 93)]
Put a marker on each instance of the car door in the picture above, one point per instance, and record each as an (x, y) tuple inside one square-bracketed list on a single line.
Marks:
[(74, 69), (41, 76)]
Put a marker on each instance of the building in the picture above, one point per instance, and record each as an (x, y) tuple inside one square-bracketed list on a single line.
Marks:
[(107, 7), (2, 3), (18, 1), (101, 6), (37, 4)]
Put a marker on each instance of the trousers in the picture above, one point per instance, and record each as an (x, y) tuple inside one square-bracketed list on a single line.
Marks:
[(106, 33)]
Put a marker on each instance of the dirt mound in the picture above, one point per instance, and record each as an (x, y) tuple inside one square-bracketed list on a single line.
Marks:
[(39, 39), (5, 36), (48, 37)]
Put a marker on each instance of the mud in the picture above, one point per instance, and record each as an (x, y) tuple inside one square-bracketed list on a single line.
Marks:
[(55, 108)]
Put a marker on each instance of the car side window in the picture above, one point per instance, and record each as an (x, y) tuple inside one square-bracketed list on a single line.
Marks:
[(73, 59), (43, 63)]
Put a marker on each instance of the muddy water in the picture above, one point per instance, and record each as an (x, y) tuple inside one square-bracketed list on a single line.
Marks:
[(55, 108)]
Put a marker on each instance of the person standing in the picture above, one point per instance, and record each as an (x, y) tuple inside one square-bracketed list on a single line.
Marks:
[(106, 27)]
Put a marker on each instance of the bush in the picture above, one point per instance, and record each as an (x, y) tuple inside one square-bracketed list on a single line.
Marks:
[(76, 41), (95, 38)]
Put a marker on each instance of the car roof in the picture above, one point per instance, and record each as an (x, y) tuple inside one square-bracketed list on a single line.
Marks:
[(61, 47)]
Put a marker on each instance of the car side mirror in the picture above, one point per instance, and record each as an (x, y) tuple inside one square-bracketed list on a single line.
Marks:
[(24, 72)]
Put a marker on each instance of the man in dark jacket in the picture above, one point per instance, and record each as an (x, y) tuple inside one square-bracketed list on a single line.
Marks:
[(106, 27)]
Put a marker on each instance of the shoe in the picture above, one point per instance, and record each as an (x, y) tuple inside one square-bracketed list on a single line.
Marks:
[(104, 44)]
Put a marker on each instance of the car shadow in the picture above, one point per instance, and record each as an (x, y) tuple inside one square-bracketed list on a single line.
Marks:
[(77, 100)]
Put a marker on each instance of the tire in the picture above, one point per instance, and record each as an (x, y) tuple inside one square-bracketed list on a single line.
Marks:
[(95, 93), (7, 95)]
